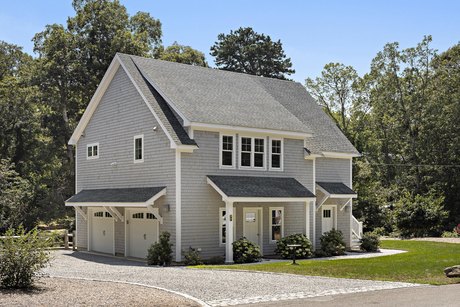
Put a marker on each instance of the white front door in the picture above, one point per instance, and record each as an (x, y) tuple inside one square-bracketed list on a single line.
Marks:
[(101, 231), (252, 225), (142, 231), (328, 218)]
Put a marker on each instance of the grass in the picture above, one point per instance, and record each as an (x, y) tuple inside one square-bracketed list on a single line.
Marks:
[(423, 263)]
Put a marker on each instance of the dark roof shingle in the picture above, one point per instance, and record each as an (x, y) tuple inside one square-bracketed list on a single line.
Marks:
[(248, 186), (336, 188), (123, 195)]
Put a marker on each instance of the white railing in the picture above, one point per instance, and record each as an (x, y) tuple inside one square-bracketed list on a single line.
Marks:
[(356, 227)]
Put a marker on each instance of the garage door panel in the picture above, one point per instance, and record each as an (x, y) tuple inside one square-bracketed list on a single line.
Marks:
[(102, 231), (142, 229)]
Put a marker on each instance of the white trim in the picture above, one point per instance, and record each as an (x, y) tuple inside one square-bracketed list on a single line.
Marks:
[(270, 223), (136, 137), (230, 230), (178, 208), (234, 151), (340, 155), (252, 153), (313, 239), (270, 154), (221, 209), (236, 129), (155, 212), (92, 145), (82, 213), (351, 173), (348, 202), (307, 220), (260, 212), (117, 213), (89, 111)]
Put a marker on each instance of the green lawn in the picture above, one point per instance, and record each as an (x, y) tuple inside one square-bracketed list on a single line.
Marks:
[(423, 263)]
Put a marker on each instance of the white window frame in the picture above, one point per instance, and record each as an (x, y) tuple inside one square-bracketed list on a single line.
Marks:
[(221, 209), (221, 148), (270, 229), (136, 137), (92, 145), (253, 144), (281, 168)]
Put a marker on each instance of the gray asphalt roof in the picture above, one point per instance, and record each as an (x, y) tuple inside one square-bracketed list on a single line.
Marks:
[(248, 186), (123, 195), (213, 96), (336, 188)]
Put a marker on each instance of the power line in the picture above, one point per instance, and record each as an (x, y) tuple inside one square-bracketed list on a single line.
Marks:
[(414, 165)]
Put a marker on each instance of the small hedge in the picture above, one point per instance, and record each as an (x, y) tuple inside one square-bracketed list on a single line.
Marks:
[(370, 242), (244, 251), (192, 257), (22, 256), (160, 253), (302, 252), (332, 244)]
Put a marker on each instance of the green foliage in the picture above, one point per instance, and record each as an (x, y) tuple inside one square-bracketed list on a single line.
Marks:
[(247, 51), (160, 253), (305, 250), (370, 242), (332, 244), (22, 258), (182, 54), (420, 215), (192, 257), (244, 251), (450, 234)]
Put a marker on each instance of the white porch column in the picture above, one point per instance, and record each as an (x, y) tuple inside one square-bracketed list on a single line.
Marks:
[(307, 220), (313, 239), (229, 232)]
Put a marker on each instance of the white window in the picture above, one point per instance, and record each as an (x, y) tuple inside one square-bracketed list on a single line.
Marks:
[(276, 154), (276, 224), (223, 226), (139, 148), (92, 151), (227, 151), (252, 152)]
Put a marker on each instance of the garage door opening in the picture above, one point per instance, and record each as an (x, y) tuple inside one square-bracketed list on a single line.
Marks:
[(142, 229)]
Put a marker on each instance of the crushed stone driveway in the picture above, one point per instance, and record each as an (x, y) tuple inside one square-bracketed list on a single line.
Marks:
[(213, 287)]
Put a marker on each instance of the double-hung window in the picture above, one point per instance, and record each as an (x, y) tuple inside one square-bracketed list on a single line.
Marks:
[(138, 148), (276, 224), (227, 151), (92, 151), (276, 154), (252, 152)]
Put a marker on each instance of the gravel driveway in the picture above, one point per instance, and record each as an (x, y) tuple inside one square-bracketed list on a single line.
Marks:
[(214, 287)]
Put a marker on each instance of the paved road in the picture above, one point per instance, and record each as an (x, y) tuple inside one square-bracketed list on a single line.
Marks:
[(215, 287), (427, 296)]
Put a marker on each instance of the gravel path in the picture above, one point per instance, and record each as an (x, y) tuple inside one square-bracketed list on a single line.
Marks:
[(69, 292), (215, 287)]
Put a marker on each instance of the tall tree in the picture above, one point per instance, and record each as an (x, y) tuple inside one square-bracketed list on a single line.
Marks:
[(247, 51), (182, 54), (335, 92)]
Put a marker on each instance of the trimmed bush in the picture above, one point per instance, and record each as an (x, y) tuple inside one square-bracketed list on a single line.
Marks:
[(23, 257), (302, 252), (160, 253), (370, 242), (192, 257), (244, 251), (332, 244)]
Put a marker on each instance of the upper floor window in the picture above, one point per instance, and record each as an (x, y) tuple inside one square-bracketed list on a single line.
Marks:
[(92, 151), (139, 148), (227, 151), (276, 154), (252, 152)]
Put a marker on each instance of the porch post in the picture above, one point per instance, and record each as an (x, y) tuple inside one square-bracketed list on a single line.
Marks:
[(307, 220), (229, 232), (313, 239)]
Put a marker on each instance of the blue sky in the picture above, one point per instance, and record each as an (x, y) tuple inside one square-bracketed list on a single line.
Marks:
[(313, 33)]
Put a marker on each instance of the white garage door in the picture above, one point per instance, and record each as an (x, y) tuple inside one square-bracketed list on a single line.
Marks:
[(101, 231), (142, 227)]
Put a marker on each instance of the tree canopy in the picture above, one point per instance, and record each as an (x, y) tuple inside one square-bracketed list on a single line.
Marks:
[(182, 54), (247, 51)]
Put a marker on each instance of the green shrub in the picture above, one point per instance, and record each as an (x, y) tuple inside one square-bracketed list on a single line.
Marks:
[(160, 253), (22, 257), (420, 215), (303, 251), (370, 242), (215, 260), (244, 251), (332, 244), (192, 257), (450, 234)]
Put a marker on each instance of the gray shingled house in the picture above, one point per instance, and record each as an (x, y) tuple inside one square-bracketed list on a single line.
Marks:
[(209, 156)]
